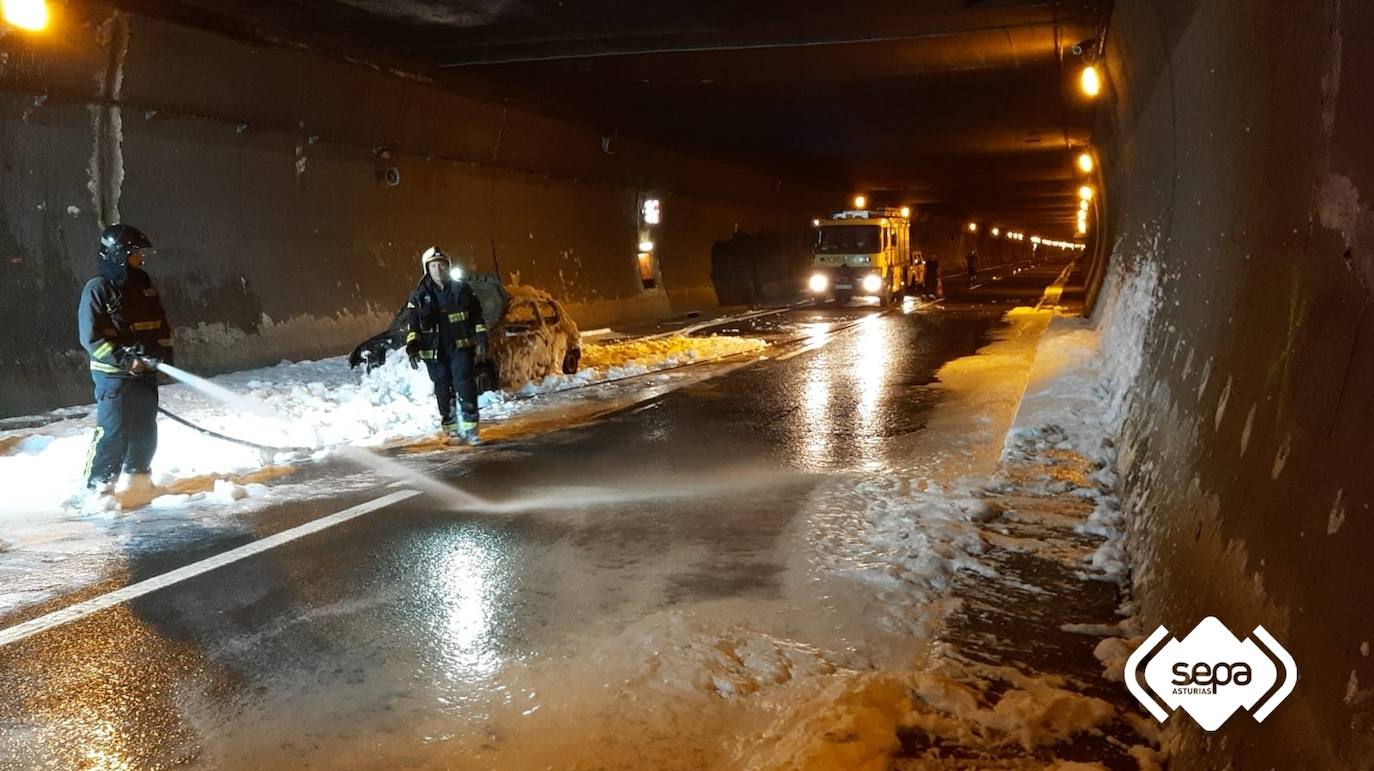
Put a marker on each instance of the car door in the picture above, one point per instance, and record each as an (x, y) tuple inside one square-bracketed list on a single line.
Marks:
[(523, 355)]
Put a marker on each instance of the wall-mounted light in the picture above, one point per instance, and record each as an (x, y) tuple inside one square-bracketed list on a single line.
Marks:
[(1086, 193), (646, 246), (31, 15), (653, 213), (973, 227), (860, 202), (1085, 162), (996, 232), (906, 211), (1082, 205), (815, 223), (1090, 81)]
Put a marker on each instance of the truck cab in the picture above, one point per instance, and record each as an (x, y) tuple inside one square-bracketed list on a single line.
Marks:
[(862, 253)]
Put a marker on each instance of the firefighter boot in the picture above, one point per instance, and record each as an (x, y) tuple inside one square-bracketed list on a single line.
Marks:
[(470, 435)]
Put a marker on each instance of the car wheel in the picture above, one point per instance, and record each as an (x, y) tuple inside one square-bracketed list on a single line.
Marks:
[(571, 360), (488, 377)]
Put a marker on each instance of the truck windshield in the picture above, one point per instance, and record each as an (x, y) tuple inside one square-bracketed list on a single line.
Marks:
[(851, 239)]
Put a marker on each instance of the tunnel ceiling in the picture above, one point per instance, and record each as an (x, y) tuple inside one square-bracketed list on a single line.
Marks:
[(968, 107)]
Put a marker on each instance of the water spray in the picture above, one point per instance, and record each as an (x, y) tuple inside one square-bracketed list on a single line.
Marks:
[(450, 495), (229, 398), (546, 499)]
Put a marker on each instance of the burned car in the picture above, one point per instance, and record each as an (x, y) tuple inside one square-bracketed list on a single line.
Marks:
[(530, 336)]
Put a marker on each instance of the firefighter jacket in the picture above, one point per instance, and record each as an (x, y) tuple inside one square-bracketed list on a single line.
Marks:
[(121, 318), (443, 318)]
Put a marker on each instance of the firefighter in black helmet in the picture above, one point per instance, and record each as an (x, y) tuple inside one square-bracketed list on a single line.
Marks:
[(447, 333), (124, 329)]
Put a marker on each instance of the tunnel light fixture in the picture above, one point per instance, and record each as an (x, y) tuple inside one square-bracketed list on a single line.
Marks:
[(996, 232), (1085, 193), (1035, 239), (816, 222), (1090, 81), (653, 211), (860, 201), (1082, 205), (1085, 162), (973, 227), (906, 211), (646, 246), (31, 15)]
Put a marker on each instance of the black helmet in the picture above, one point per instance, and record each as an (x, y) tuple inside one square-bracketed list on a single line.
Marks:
[(117, 242)]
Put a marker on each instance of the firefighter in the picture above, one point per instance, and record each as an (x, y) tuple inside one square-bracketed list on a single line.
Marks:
[(447, 333), (932, 279), (124, 329)]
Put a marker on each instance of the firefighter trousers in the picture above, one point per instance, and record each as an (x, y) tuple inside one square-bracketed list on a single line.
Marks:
[(126, 427), (455, 380)]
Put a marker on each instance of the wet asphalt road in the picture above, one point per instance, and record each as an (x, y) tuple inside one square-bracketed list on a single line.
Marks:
[(376, 627)]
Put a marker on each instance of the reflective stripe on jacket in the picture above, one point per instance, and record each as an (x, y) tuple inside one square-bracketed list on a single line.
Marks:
[(443, 318), (121, 309)]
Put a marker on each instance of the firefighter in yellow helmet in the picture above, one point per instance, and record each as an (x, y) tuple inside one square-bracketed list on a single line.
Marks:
[(447, 333)]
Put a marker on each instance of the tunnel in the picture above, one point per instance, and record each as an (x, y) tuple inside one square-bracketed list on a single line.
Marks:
[(1195, 167)]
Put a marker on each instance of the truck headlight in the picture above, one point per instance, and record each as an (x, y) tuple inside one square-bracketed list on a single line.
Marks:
[(819, 282), (872, 283)]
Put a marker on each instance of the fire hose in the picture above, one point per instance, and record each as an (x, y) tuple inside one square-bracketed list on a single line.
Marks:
[(233, 440)]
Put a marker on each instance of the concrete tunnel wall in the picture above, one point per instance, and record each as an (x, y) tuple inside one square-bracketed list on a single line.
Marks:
[(259, 173), (1238, 147), (948, 240)]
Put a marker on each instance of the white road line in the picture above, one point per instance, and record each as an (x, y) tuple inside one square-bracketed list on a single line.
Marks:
[(687, 330), (1055, 290), (803, 349), (133, 591)]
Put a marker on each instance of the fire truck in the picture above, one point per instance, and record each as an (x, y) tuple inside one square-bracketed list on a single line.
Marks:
[(863, 253)]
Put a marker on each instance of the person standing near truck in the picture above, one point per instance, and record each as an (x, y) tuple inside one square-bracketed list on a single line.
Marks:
[(932, 278)]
